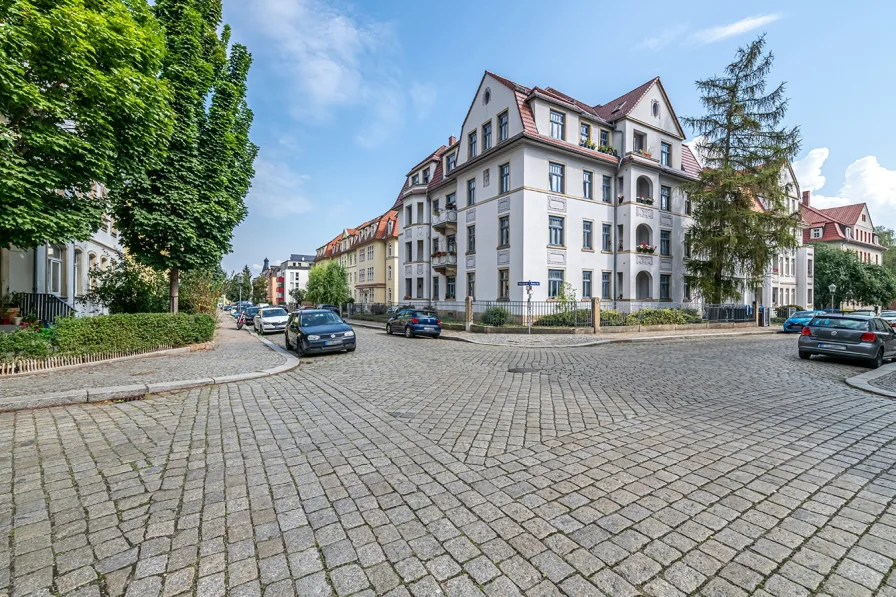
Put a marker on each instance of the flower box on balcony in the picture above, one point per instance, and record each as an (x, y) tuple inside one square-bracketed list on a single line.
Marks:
[(644, 200), (607, 149), (643, 153), (645, 248)]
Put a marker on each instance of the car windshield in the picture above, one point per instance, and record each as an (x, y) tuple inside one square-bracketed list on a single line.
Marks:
[(842, 323), (425, 313), (273, 313), (888, 313), (804, 314), (865, 313), (310, 320), (252, 311)]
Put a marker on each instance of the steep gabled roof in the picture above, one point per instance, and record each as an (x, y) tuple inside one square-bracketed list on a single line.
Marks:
[(624, 104), (689, 162), (847, 214), (521, 92)]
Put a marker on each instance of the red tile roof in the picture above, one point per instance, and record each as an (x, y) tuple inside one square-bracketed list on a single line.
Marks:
[(625, 103), (688, 162), (521, 93), (847, 214)]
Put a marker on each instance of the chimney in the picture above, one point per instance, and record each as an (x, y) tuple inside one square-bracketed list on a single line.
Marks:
[(806, 195), (452, 140)]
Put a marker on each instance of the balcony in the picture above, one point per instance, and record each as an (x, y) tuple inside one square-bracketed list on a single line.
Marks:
[(446, 261), (444, 218)]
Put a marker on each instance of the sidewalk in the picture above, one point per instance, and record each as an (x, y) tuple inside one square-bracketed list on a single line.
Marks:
[(237, 353), (579, 340)]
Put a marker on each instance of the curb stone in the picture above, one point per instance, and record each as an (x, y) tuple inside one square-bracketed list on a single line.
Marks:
[(593, 342), (90, 395), (861, 381)]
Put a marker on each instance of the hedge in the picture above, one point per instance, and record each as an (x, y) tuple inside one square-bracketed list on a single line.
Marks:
[(131, 332), (496, 316), (24, 344), (651, 317), (571, 318)]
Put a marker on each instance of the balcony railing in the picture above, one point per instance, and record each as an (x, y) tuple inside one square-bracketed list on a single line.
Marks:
[(444, 259), (47, 307), (444, 217), (644, 200)]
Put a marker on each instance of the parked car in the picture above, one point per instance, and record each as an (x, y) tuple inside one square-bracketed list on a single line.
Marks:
[(415, 322), (228, 307), (888, 316), (849, 336), (332, 308), (795, 322), (251, 312), (270, 319), (862, 313), (318, 330)]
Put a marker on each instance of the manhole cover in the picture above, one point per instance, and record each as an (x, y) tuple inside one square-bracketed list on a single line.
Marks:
[(521, 370)]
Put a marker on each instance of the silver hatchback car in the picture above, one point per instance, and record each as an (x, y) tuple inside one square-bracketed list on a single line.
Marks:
[(849, 336)]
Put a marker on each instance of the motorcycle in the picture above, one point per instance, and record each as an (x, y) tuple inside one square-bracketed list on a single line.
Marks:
[(240, 321)]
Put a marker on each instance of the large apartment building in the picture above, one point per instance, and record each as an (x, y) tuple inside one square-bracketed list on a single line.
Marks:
[(543, 187), (848, 227), (369, 254)]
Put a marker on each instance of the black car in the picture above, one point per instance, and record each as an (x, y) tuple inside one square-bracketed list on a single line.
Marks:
[(251, 312), (318, 330)]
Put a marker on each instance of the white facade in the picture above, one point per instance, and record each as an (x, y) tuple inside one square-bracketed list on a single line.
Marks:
[(532, 203)]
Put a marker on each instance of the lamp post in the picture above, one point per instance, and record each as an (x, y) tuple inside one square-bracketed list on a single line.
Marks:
[(833, 289)]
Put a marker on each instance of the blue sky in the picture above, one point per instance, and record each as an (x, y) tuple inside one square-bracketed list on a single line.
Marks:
[(349, 95)]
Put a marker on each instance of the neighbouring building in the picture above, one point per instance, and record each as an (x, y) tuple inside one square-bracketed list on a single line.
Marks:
[(271, 273), (369, 253), (53, 279), (294, 274), (540, 186)]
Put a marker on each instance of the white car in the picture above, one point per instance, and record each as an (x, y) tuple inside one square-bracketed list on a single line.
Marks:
[(888, 316), (270, 319)]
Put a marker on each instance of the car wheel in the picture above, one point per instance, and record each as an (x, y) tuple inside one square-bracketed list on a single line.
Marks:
[(805, 355), (352, 349), (878, 359), (389, 329), (300, 349), (407, 332), (286, 341), (436, 337)]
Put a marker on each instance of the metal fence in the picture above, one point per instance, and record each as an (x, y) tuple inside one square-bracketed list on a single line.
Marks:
[(570, 314), (47, 307), (616, 313)]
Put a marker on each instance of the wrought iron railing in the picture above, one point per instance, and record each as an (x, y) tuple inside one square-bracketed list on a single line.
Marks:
[(46, 307)]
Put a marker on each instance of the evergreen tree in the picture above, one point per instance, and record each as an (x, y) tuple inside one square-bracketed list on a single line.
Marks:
[(740, 220), (182, 215)]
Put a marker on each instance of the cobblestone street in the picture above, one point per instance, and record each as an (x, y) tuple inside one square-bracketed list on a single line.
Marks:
[(718, 467)]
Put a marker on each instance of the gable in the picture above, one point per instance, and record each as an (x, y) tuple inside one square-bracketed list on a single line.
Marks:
[(666, 119), (501, 97)]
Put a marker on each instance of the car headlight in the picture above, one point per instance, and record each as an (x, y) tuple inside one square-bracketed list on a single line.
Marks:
[(313, 337), (349, 334)]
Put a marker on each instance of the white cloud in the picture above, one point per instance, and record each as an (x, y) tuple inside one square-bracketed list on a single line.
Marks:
[(865, 181), (714, 34), (256, 267), (277, 190), (808, 169), (423, 96), (663, 39), (335, 58)]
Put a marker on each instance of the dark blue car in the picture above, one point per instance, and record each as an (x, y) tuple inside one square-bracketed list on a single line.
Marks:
[(411, 322), (800, 319), (318, 330)]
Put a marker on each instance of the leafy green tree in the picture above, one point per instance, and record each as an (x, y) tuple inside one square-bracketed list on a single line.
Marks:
[(200, 290), (128, 287), (259, 289), (240, 286), (864, 283), (181, 216), (887, 238), (80, 103), (297, 295), (740, 218), (328, 285)]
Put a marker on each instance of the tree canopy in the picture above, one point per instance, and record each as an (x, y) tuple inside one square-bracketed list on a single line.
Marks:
[(328, 285), (864, 283), (740, 216), (80, 103), (181, 215), (259, 289)]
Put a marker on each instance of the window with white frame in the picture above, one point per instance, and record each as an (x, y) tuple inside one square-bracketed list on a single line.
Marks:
[(605, 189), (586, 284), (665, 154), (555, 231), (502, 127), (817, 233), (587, 184), (505, 177), (370, 253), (555, 283), (471, 191), (558, 125), (556, 175), (487, 136), (587, 234)]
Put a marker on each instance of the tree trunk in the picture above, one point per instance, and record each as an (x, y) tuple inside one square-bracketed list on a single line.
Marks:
[(174, 277)]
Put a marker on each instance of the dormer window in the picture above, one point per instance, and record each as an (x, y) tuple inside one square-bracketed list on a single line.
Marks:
[(558, 125), (452, 161), (426, 176), (816, 233), (415, 180)]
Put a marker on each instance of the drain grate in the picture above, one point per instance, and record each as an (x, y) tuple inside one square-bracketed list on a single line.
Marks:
[(522, 370)]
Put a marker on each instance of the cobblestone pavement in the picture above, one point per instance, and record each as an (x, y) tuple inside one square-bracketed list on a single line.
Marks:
[(886, 382), (236, 352), (421, 467)]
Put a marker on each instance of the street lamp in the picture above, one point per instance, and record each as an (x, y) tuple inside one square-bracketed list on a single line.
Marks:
[(833, 289)]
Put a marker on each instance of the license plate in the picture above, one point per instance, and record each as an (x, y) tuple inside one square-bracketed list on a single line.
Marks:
[(429, 327), (832, 346), (333, 342)]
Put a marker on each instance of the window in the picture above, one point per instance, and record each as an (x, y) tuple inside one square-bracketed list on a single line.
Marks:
[(604, 138), (810, 268), (370, 253), (389, 247), (587, 235), (687, 204), (420, 218), (665, 198), (435, 245), (435, 205), (435, 287), (817, 232), (471, 239), (504, 231), (584, 133), (664, 286), (451, 242), (486, 177), (361, 276), (640, 141), (605, 189), (655, 109), (555, 231), (361, 255), (426, 176), (408, 216), (389, 272), (502, 127), (54, 269), (450, 283), (415, 180), (408, 256), (556, 177), (420, 256), (504, 170), (450, 202), (665, 242), (487, 136), (665, 154), (605, 285), (555, 282), (471, 145), (452, 161), (687, 290), (471, 191), (586, 284), (687, 244), (606, 238), (587, 179), (558, 125), (503, 283), (419, 288), (471, 284)]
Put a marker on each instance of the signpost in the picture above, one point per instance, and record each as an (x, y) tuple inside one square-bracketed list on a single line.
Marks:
[(529, 284)]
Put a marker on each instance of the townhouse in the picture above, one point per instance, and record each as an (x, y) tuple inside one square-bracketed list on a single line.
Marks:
[(369, 254), (294, 274), (543, 187), (848, 227)]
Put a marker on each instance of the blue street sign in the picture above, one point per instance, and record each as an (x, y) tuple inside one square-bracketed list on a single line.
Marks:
[(528, 283)]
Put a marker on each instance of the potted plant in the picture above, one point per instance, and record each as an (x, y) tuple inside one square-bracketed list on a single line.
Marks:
[(644, 248), (9, 309)]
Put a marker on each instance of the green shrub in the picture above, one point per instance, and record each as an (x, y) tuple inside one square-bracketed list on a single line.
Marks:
[(661, 317), (131, 332), (651, 317), (24, 344), (496, 316), (571, 318), (378, 309), (610, 317)]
